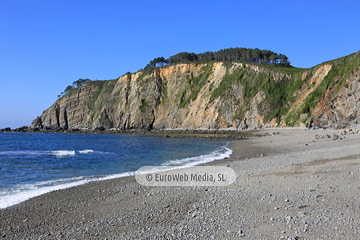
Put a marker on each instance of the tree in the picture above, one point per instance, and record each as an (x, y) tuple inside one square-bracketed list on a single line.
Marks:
[(230, 54), (75, 84), (157, 62), (80, 82)]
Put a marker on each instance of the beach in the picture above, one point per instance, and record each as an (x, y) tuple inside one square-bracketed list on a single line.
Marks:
[(293, 183)]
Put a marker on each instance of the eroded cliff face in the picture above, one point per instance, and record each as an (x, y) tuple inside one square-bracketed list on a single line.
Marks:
[(340, 107), (214, 95)]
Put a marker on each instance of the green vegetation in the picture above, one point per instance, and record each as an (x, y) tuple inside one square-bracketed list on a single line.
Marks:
[(144, 105), (341, 69), (230, 54), (157, 62), (346, 67), (75, 84), (233, 54), (194, 85), (227, 82), (278, 93), (103, 89), (144, 73), (95, 95), (165, 97)]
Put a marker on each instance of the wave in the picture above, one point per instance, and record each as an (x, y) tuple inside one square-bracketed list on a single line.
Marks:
[(219, 154), (24, 192), (57, 153), (86, 151), (63, 153)]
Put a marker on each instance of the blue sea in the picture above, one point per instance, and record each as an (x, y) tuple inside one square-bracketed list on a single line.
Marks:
[(32, 164)]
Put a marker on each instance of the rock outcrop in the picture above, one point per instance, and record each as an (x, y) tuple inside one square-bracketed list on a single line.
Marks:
[(212, 96)]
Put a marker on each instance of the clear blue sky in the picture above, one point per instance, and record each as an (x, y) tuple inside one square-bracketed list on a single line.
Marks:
[(46, 45)]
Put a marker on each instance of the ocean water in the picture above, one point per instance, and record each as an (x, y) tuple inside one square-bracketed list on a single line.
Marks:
[(32, 164)]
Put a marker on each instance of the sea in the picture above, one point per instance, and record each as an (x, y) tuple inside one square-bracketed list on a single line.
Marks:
[(32, 164)]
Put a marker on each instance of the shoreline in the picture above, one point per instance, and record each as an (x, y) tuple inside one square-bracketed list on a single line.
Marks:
[(291, 184), (165, 133), (17, 198)]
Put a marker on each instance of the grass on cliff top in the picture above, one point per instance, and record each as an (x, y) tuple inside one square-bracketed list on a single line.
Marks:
[(345, 66), (279, 68)]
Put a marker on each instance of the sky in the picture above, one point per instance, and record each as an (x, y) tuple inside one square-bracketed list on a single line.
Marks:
[(45, 45)]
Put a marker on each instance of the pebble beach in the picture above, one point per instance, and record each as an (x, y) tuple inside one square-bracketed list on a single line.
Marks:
[(293, 183)]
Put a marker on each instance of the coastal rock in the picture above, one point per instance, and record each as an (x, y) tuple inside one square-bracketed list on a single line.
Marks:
[(218, 95), (21, 129), (37, 123)]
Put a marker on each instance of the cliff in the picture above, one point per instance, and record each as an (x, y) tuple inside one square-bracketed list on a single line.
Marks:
[(214, 95)]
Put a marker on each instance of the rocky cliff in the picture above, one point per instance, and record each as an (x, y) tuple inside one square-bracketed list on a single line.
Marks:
[(214, 95)]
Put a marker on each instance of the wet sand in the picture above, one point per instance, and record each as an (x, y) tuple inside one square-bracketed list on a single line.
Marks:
[(290, 184)]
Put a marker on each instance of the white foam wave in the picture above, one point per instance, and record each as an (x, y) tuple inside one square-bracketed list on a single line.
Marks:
[(20, 195), (57, 153), (63, 153), (119, 175), (27, 191), (86, 151), (219, 154)]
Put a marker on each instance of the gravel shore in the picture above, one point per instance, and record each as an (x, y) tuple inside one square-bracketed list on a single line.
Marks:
[(291, 184)]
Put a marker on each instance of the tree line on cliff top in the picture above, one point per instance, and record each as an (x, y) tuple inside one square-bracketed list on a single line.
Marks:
[(230, 54), (75, 84)]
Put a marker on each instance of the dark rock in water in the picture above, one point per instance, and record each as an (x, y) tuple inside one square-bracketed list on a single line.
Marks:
[(21, 129), (7, 129)]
